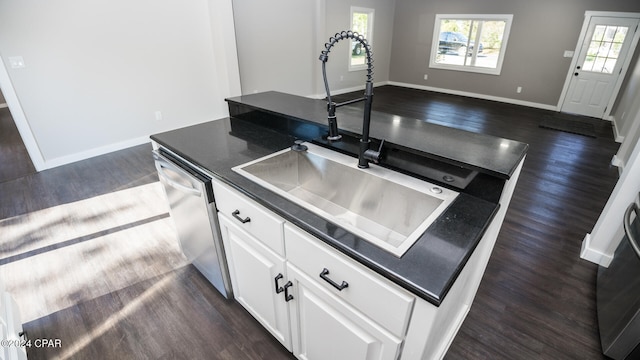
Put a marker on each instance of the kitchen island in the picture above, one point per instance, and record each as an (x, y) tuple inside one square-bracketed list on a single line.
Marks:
[(441, 272)]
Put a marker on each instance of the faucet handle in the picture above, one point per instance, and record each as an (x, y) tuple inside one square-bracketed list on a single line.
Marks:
[(373, 155)]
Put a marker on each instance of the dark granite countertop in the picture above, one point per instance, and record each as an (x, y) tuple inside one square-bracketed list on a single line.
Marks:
[(427, 269), (484, 153)]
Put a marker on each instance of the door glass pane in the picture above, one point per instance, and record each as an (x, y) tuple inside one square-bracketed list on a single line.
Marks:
[(598, 33), (604, 48), (609, 64)]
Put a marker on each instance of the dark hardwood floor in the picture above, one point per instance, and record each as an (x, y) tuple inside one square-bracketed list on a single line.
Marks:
[(14, 158), (89, 252)]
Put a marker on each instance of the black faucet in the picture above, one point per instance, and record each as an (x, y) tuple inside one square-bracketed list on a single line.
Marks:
[(365, 154)]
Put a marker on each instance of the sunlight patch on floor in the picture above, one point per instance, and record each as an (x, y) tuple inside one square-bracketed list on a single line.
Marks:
[(61, 256), (112, 321)]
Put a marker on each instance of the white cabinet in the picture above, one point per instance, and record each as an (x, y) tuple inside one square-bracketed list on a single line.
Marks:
[(257, 275), (256, 220), (384, 303), (328, 328), (287, 280), (322, 304)]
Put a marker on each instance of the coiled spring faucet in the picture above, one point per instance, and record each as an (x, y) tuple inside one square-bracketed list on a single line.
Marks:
[(365, 154)]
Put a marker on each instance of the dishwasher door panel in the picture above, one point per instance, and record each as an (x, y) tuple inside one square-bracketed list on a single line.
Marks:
[(193, 215)]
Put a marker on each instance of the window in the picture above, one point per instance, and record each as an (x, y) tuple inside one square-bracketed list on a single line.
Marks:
[(362, 23), (604, 48), (455, 38)]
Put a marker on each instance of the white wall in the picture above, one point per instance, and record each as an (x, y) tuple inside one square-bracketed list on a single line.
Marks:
[(276, 45), (540, 33), (626, 110), (279, 43), (97, 71)]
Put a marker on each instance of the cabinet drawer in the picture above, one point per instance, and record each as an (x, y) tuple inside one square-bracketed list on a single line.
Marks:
[(370, 293), (250, 216)]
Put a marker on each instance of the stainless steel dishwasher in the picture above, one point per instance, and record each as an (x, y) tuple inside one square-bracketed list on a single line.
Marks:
[(193, 210)]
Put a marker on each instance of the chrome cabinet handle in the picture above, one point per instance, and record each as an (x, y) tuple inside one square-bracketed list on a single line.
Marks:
[(324, 277), (627, 227), (236, 214), (279, 288)]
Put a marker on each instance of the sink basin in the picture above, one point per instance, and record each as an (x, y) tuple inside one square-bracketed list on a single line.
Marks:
[(389, 209)]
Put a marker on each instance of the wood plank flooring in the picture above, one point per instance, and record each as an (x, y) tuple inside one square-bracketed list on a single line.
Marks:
[(119, 288), (14, 158)]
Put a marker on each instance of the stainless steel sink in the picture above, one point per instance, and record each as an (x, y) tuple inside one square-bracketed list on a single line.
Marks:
[(389, 209)]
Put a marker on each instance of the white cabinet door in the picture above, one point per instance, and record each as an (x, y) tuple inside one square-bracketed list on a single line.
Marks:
[(253, 270), (324, 327)]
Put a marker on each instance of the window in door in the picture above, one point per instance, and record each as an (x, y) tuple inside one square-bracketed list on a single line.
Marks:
[(362, 23), (604, 48), (455, 38)]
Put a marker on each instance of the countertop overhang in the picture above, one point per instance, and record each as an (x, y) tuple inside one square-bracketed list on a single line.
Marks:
[(487, 154)]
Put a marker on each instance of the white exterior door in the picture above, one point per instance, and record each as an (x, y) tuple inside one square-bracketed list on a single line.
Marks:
[(594, 81)]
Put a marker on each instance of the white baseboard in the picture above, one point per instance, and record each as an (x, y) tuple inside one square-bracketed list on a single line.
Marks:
[(476, 95), (592, 255), (444, 91), (617, 162), (618, 138), (83, 155), (4, 105)]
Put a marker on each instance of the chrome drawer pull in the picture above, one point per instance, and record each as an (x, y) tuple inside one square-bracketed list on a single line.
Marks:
[(236, 214), (324, 277)]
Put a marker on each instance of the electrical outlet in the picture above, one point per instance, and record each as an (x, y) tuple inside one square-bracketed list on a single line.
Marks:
[(519, 89), (426, 76), (16, 62), (158, 115)]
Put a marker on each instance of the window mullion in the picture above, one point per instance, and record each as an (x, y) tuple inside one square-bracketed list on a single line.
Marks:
[(476, 43)]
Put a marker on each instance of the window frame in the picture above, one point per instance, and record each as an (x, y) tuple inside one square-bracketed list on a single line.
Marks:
[(370, 23), (507, 18)]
